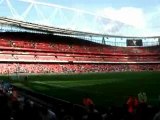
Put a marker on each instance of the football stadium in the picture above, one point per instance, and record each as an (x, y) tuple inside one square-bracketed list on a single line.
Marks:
[(66, 65)]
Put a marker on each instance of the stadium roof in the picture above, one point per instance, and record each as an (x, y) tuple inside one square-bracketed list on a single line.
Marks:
[(54, 30)]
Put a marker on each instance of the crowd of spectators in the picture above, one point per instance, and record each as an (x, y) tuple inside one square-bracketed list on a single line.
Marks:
[(16, 106), (9, 68)]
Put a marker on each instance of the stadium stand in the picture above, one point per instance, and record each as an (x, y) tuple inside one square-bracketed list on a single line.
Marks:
[(42, 53)]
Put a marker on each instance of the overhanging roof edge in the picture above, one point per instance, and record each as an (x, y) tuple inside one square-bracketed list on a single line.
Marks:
[(49, 29)]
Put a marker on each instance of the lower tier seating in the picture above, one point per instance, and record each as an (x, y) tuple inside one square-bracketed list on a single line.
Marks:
[(9, 68)]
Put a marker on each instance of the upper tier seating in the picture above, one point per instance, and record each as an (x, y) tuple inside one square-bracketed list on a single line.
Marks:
[(67, 45)]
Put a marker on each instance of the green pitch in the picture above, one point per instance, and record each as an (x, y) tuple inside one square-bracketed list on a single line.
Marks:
[(104, 88)]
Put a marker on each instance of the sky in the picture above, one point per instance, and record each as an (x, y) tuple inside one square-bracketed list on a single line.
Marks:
[(128, 17), (139, 13)]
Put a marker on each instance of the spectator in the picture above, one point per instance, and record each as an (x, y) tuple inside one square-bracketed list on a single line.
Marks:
[(142, 97), (130, 104), (87, 101)]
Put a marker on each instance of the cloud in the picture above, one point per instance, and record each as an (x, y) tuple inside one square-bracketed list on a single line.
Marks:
[(134, 20), (128, 15)]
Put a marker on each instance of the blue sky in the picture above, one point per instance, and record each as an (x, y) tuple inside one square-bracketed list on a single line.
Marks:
[(139, 17), (92, 5)]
